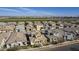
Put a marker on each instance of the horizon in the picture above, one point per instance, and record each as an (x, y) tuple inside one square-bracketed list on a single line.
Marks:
[(39, 11)]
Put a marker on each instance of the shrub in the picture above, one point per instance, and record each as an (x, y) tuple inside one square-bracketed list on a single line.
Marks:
[(12, 49), (22, 47), (34, 46), (17, 48)]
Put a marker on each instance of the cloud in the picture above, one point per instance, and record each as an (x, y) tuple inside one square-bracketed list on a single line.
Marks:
[(21, 11), (33, 12), (9, 11)]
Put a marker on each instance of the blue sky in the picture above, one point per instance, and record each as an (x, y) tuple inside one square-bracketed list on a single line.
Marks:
[(39, 11)]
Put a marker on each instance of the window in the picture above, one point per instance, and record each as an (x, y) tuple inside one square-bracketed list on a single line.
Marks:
[(5, 46), (19, 44), (30, 35), (51, 33), (46, 32), (18, 30), (9, 44), (75, 26), (34, 36), (24, 43), (30, 29)]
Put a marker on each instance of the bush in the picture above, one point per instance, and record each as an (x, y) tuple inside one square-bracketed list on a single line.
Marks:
[(12, 49), (34, 46), (17, 48), (22, 47), (54, 42)]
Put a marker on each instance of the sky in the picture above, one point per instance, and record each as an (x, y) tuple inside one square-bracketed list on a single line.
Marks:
[(39, 11)]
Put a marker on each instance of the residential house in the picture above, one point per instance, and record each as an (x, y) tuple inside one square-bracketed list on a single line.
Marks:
[(20, 28), (16, 39), (38, 39), (39, 26), (68, 36)]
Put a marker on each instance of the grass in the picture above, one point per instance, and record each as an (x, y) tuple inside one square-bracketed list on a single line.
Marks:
[(21, 20), (36, 19), (34, 46)]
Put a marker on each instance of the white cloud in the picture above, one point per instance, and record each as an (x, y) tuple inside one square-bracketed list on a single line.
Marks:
[(29, 11), (21, 11)]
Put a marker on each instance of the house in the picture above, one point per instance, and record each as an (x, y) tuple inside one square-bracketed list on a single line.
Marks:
[(20, 28), (74, 25), (29, 27), (21, 23), (10, 27), (11, 23), (38, 25), (16, 39), (54, 36), (53, 25), (2, 27), (61, 26), (38, 39), (30, 22), (44, 22), (58, 32), (2, 23), (69, 36), (7, 27), (3, 38)]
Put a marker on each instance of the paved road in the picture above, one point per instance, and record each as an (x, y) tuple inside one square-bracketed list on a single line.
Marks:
[(73, 47), (66, 46)]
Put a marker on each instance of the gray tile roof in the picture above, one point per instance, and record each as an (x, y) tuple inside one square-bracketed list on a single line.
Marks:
[(16, 37)]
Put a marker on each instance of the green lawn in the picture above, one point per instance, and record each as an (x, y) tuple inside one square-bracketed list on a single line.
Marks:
[(24, 20), (20, 20)]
